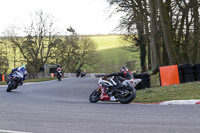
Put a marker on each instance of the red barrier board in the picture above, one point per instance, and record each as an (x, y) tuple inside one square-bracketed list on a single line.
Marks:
[(169, 75)]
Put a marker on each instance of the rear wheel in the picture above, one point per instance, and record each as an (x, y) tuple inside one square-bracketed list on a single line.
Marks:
[(95, 96), (11, 86), (129, 96)]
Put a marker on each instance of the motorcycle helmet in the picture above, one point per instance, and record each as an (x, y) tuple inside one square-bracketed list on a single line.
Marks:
[(23, 66), (58, 65), (22, 69), (123, 69)]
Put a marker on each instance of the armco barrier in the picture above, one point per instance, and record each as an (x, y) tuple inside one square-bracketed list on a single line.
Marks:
[(88, 75)]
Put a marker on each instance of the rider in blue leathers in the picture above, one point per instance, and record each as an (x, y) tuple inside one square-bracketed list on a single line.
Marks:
[(21, 71)]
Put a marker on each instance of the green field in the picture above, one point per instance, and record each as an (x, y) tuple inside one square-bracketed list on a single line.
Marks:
[(108, 41), (113, 56)]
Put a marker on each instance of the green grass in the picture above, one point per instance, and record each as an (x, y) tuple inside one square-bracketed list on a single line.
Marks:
[(173, 92)]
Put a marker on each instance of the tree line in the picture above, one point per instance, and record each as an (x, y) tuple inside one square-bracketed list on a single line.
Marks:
[(166, 32), (41, 44)]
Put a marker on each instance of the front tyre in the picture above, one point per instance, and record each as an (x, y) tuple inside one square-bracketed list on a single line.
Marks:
[(129, 96), (59, 77), (11, 85), (95, 96)]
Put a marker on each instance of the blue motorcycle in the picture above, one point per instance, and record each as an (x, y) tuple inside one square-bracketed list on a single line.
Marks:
[(13, 81)]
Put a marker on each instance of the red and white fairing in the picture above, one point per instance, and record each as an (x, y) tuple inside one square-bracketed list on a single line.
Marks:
[(105, 97)]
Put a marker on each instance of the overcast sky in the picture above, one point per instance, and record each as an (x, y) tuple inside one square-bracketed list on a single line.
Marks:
[(85, 16)]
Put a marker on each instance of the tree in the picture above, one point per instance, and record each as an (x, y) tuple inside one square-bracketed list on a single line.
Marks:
[(75, 51), (134, 21), (167, 33), (154, 49), (4, 63), (174, 28), (36, 47), (196, 55)]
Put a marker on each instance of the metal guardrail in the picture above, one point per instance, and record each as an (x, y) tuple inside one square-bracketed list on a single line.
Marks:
[(89, 75)]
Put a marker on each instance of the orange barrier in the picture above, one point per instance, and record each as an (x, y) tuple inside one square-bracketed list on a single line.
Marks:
[(52, 74), (3, 78), (169, 75)]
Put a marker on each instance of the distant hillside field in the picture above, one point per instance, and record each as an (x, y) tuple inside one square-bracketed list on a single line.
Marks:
[(113, 56), (108, 41)]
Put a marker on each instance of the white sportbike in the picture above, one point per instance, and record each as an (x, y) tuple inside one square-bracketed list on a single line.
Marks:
[(124, 95)]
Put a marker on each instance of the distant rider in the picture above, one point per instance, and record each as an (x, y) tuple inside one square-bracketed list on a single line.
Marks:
[(83, 73), (21, 72), (58, 69), (78, 72), (120, 77)]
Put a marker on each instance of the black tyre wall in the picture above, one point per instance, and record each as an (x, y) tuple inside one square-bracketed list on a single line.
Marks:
[(145, 83), (180, 73), (188, 78), (188, 73), (197, 66), (197, 71), (187, 66)]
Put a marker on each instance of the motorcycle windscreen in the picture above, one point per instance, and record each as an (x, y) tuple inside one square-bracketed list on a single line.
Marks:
[(169, 75)]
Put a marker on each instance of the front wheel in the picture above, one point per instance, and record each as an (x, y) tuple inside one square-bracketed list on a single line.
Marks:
[(129, 96), (95, 96), (59, 77), (11, 85)]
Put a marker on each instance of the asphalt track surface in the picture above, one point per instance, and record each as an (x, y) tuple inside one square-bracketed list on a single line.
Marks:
[(63, 107)]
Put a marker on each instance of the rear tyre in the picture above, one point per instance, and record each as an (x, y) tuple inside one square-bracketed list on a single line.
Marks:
[(129, 97), (11, 86), (95, 96)]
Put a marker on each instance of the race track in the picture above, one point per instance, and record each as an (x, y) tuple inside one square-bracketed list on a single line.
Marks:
[(63, 107)]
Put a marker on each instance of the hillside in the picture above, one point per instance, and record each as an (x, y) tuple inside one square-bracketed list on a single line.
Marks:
[(113, 56)]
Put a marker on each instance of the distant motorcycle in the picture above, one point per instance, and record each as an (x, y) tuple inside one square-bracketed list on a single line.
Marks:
[(83, 74), (125, 95), (59, 75), (78, 73), (13, 81)]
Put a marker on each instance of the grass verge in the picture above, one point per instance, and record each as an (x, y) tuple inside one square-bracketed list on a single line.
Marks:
[(173, 92)]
